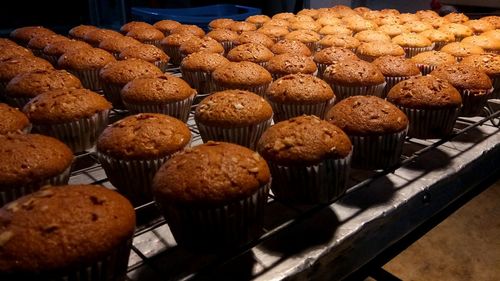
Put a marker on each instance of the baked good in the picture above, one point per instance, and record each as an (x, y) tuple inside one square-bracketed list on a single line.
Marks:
[(431, 104), (116, 45), (418, 26), (242, 75), (327, 56), (220, 23), (241, 26), (172, 43), (94, 37), (489, 44), (127, 27), (147, 35), (224, 36), (460, 50), (197, 70), (460, 31), (148, 53), (339, 30), (12, 67), (393, 30), (212, 209), (54, 50), (313, 13), (206, 44), (254, 37), (479, 26), (428, 61), (39, 42), (372, 36), (439, 38), (305, 25), (290, 46), (188, 29), (132, 149), (274, 32), (494, 20), (252, 52), (75, 116), (161, 94), (13, 50), (376, 128), (234, 116), (357, 24), (283, 16), (166, 26), (281, 65), (342, 41), (308, 37), (94, 224), (413, 43), (78, 32), (21, 173), (493, 34), (329, 20), (258, 20), (13, 120), (456, 17), (23, 35), (372, 50), (489, 64), (395, 70)]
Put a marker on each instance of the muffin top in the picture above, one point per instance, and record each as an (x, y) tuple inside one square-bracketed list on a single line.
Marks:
[(366, 115), (342, 41), (331, 54), (329, 20), (273, 31), (94, 37), (65, 105), (233, 108), (418, 26), (60, 47), (154, 90), (358, 24), (254, 37), (305, 25), (309, 12), (304, 36), (203, 61), (41, 41), (145, 34), (144, 136), (290, 46), (85, 59), (258, 19), (411, 40), (29, 158), (493, 34), (456, 17), (303, 140), (494, 20), (489, 63), (145, 52), (460, 49), (211, 184), (13, 120), (433, 58), (222, 35), (250, 52), (393, 29), (459, 30), (425, 92), (206, 44), (407, 17), (91, 221), (438, 36), (7, 42), (13, 51), (123, 71), (188, 29), (241, 74), (479, 26), (435, 22), (335, 30), (134, 25), (166, 26), (221, 23), (31, 84), (23, 35), (463, 76), (378, 49), (299, 89), (392, 66), (240, 26), (486, 42), (10, 68), (277, 22), (372, 36), (117, 45), (80, 31), (353, 73), (291, 63), (176, 39), (283, 16)]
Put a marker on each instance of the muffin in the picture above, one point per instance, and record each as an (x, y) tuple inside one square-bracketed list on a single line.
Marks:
[(258, 20), (479, 26), (339, 30), (308, 37), (171, 45), (489, 64), (13, 120), (284, 64), (489, 44), (225, 37), (115, 75), (422, 14), (342, 41), (162, 94), (54, 50), (372, 36), (23, 35), (243, 75), (188, 29), (212, 209), (309, 159), (116, 45), (254, 37), (460, 31), (85, 63), (305, 25), (461, 50), (132, 149), (75, 116), (354, 77), (436, 22), (166, 26), (205, 44), (327, 56), (372, 50), (292, 47), (428, 61), (376, 128), (25, 86), (252, 52), (494, 20), (147, 35), (299, 94), (329, 20), (408, 17), (241, 26), (148, 53), (283, 16), (234, 116), (393, 30), (277, 22), (413, 43), (359, 24), (439, 38), (276, 33), (220, 23), (473, 84), (76, 232), (395, 70), (418, 26), (313, 13), (13, 51), (129, 26), (431, 104), (197, 70), (10, 68), (495, 34), (79, 32), (95, 37), (38, 43), (456, 17), (21, 173)]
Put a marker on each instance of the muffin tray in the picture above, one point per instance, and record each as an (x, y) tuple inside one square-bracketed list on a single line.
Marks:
[(327, 241)]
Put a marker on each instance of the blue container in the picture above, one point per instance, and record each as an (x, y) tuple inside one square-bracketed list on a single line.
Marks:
[(200, 16)]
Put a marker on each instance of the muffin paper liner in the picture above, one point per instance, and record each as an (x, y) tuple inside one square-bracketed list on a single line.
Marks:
[(79, 135), (425, 68), (282, 111), (473, 101), (439, 44), (50, 58), (36, 52), (178, 109), (246, 136), (162, 65), (214, 228), (3, 85), (392, 81), (112, 93), (174, 53), (496, 87), (155, 43), (412, 51), (377, 151), (321, 69), (132, 178), (15, 192), (228, 45), (343, 92), (320, 183), (200, 80), (313, 46), (89, 78), (259, 90), (430, 123), (18, 102)]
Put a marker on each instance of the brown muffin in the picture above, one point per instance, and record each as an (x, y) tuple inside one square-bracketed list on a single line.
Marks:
[(460, 31), (276, 33), (242, 75), (338, 30), (116, 45), (277, 22), (95, 37), (79, 32), (327, 56), (461, 50), (13, 120), (197, 70), (148, 53), (489, 64), (283, 16), (489, 44), (4, 42), (224, 36), (313, 13), (428, 61), (241, 26), (431, 105), (426, 14), (372, 36), (221, 23), (290, 46), (235, 116), (162, 94), (474, 85), (436, 22), (308, 37), (456, 17), (493, 34), (166, 26), (258, 20), (147, 35), (171, 45), (342, 41), (133, 149), (13, 51), (494, 20), (75, 116), (376, 128), (393, 30), (252, 52), (95, 224), (205, 44), (357, 24), (439, 38), (418, 26), (254, 37), (54, 50), (413, 43), (288, 63), (38, 43), (85, 63), (329, 20), (395, 70), (190, 201), (479, 26), (299, 94), (21, 173), (23, 35), (305, 25), (12, 67), (372, 50), (127, 27), (28, 85), (187, 29)]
